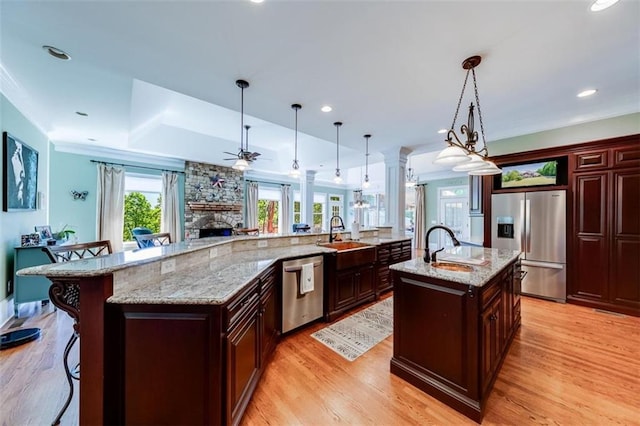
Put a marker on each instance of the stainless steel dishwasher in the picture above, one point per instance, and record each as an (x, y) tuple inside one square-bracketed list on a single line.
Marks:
[(299, 309)]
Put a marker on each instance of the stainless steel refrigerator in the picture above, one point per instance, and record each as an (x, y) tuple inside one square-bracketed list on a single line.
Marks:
[(534, 223)]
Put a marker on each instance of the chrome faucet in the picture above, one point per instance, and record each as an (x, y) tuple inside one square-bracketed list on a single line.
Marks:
[(335, 223), (432, 258)]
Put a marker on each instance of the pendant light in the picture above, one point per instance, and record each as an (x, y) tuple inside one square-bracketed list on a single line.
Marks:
[(295, 167), (337, 178), (241, 163), (464, 155), (366, 182)]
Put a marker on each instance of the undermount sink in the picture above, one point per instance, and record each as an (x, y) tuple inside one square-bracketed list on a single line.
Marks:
[(452, 267), (345, 245), (352, 253)]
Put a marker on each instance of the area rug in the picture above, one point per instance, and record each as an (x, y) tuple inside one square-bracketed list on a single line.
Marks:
[(356, 334)]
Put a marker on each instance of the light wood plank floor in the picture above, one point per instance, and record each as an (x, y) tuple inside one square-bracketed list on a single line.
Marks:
[(567, 365)]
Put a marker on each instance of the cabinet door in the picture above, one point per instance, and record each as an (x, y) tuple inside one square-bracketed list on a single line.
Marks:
[(624, 288), (268, 324), (591, 245), (366, 282), (243, 358), (490, 340), (345, 291)]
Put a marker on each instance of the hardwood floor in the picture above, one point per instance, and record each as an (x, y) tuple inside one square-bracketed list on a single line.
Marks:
[(567, 365)]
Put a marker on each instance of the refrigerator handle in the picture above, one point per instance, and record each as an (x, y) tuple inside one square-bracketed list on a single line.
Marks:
[(527, 215), (522, 228)]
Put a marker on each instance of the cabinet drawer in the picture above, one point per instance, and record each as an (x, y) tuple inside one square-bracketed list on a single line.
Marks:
[(628, 156), (267, 279), (241, 304), (592, 160)]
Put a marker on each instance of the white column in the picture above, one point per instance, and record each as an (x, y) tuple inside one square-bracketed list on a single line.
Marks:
[(395, 162), (306, 197)]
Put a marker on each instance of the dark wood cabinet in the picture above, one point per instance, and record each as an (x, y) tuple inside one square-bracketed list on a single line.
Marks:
[(212, 357), (491, 338), (388, 254), (268, 315), (605, 272), (350, 280), (450, 339), (243, 362)]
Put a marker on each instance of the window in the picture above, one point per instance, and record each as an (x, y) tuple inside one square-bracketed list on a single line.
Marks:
[(319, 212), (297, 212), (142, 203), (268, 209), (410, 210), (336, 205)]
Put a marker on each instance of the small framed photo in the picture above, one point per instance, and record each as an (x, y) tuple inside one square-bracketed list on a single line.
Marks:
[(44, 231), (29, 240)]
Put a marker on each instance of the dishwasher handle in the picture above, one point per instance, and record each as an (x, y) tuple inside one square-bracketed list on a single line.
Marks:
[(299, 268)]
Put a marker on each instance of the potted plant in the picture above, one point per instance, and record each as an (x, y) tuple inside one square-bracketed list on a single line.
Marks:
[(64, 233)]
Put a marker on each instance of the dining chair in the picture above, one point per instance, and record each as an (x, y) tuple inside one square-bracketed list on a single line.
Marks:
[(153, 240)]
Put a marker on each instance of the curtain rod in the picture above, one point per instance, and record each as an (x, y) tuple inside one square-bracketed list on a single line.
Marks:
[(139, 167)]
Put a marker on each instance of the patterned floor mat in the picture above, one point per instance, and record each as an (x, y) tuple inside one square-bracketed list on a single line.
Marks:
[(356, 334)]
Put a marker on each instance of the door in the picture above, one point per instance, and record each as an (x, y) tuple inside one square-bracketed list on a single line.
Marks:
[(545, 226), (454, 214)]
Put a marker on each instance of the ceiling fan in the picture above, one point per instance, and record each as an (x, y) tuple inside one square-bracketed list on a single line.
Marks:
[(244, 157), (244, 154)]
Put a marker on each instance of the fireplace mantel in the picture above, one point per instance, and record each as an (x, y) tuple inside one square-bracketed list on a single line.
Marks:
[(215, 207)]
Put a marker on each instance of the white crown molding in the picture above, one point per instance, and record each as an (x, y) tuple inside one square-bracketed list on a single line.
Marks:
[(115, 154)]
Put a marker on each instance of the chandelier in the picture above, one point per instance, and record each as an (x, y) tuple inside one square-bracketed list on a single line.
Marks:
[(411, 180), (295, 167), (241, 163), (464, 156), (337, 178), (366, 183), (358, 201)]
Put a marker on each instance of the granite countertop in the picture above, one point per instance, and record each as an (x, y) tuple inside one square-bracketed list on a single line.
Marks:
[(210, 281), (213, 282), (492, 262)]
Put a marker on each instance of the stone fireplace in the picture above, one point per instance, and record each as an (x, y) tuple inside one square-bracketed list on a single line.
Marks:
[(214, 197)]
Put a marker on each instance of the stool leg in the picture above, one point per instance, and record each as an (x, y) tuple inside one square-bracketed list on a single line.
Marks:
[(69, 375)]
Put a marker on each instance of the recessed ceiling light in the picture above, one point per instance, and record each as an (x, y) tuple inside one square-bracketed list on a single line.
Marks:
[(586, 93), (599, 5), (57, 53), (442, 131), (91, 139), (257, 1), (84, 114), (326, 108)]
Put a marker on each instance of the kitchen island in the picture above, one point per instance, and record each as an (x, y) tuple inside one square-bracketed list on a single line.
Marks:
[(178, 334), (453, 323)]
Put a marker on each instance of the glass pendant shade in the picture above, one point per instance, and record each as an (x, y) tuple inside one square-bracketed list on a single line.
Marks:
[(295, 173), (366, 183), (476, 163), (337, 178), (490, 168), (452, 155), (241, 164)]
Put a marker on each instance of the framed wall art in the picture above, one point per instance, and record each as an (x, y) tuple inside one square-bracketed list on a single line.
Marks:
[(20, 175)]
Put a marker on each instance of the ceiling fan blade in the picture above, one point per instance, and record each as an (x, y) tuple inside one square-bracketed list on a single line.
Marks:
[(230, 153)]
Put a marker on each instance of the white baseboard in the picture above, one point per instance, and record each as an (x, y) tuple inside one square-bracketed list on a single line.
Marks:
[(6, 310)]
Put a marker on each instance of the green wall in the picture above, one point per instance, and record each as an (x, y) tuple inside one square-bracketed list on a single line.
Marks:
[(431, 195), (14, 224), (77, 172)]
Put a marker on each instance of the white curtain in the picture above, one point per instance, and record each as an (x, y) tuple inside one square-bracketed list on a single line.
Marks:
[(285, 210), (252, 205), (110, 204), (170, 219), (421, 208)]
